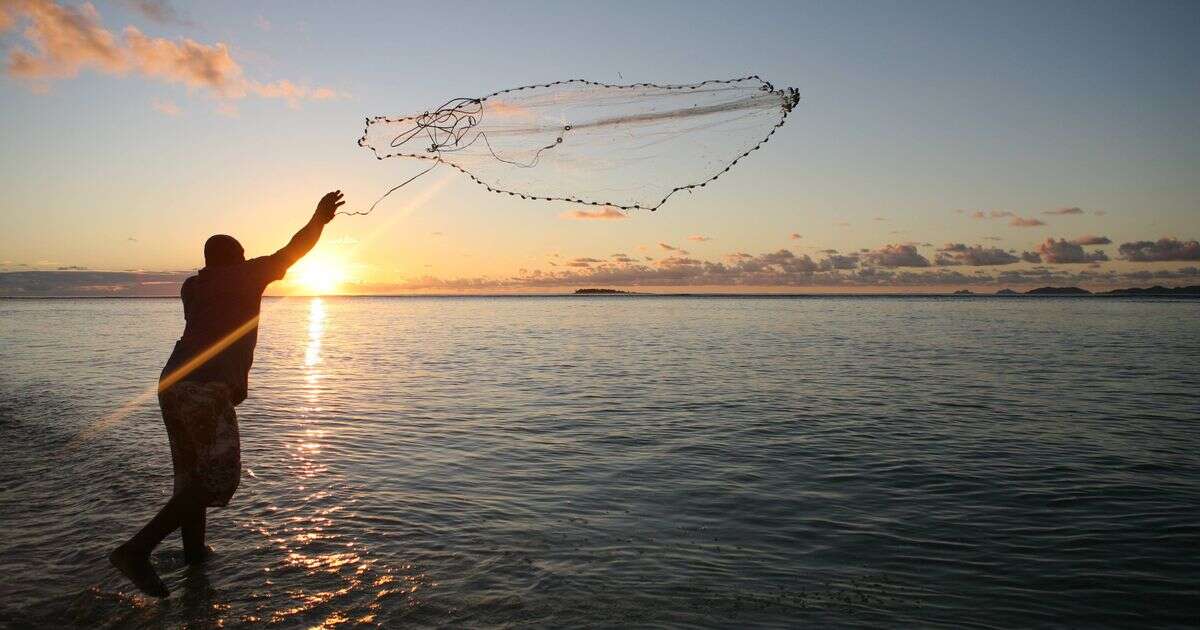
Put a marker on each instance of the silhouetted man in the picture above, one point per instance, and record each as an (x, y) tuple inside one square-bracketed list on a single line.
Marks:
[(201, 383)]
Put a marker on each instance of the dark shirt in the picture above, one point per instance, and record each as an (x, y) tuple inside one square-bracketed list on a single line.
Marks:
[(217, 302)]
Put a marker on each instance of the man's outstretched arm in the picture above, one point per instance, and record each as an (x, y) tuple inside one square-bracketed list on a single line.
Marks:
[(307, 237)]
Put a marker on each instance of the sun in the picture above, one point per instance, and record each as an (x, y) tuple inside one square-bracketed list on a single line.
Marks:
[(318, 274)]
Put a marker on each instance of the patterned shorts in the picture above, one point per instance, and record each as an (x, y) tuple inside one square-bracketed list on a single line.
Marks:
[(206, 451)]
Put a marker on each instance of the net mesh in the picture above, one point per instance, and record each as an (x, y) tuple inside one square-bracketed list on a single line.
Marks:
[(626, 146)]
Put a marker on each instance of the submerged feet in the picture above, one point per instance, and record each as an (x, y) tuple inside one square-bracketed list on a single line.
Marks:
[(138, 570), (197, 556)]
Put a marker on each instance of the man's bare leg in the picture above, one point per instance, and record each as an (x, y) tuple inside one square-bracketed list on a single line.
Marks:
[(192, 528), (132, 559)]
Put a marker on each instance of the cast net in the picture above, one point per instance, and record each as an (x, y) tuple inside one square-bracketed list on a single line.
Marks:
[(625, 146)]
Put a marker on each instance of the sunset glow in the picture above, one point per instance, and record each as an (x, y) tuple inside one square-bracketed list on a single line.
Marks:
[(879, 183), (317, 274)]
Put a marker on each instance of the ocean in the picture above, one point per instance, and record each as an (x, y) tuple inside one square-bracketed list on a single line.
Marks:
[(618, 461)]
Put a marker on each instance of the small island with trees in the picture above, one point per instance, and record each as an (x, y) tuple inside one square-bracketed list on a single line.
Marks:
[(602, 292)]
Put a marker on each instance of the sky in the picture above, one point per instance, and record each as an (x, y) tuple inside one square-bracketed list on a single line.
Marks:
[(937, 145)]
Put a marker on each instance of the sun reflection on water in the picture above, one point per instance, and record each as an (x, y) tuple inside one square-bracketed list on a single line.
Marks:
[(316, 327), (322, 577)]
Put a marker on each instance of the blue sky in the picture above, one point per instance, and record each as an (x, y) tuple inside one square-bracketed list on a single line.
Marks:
[(910, 112)]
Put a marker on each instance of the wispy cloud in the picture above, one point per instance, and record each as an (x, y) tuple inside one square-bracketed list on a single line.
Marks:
[(795, 236), (1026, 222), (1015, 220), (61, 41), (1091, 240), (159, 11), (164, 106), (1060, 211), (992, 214), (608, 213), (699, 238)]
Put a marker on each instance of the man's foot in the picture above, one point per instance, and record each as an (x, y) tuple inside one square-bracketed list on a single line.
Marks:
[(137, 569), (197, 557)]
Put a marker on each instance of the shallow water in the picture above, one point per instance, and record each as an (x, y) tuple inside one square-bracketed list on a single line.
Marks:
[(614, 461)]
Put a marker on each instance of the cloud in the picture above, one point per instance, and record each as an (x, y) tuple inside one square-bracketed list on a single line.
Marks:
[(1184, 273), (74, 281), (973, 256), (1062, 251), (64, 39), (262, 23), (1016, 220), (836, 261), (795, 236), (1164, 249), (587, 215), (159, 11), (779, 269), (902, 255), (698, 238), (1091, 240), (672, 248), (992, 214), (1031, 257), (61, 41), (1060, 211), (1023, 222), (167, 107)]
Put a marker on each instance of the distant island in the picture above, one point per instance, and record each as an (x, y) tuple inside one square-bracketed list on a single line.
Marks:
[(1192, 291), (1058, 291), (1156, 290), (601, 292)]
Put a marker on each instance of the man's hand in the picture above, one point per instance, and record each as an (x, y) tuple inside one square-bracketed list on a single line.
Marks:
[(327, 207)]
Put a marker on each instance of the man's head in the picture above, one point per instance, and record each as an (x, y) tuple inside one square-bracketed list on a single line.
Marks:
[(223, 250)]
